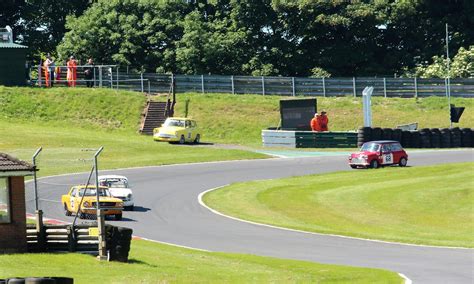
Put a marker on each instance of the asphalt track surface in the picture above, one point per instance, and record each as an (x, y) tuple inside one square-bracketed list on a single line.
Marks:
[(167, 210)]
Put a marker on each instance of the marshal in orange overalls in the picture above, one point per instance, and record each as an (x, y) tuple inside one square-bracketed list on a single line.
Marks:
[(71, 72)]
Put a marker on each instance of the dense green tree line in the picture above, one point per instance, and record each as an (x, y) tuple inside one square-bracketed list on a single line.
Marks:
[(267, 37)]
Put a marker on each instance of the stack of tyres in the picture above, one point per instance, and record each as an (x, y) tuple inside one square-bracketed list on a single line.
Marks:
[(466, 137), (364, 135), (387, 134), (376, 133), (425, 138), (397, 135), (435, 138), (415, 139), (406, 139), (445, 138), (118, 242), (38, 280), (455, 137)]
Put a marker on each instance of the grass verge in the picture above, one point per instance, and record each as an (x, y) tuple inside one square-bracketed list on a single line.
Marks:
[(424, 205), (158, 263)]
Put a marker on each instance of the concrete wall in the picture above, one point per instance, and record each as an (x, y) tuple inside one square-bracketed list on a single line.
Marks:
[(13, 235)]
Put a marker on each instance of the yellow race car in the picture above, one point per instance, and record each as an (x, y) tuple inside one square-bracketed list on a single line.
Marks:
[(72, 202), (177, 129)]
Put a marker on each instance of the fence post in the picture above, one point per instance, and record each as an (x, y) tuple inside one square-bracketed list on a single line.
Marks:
[(293, 89), (232, 84), (446, 86), (324, 87), (141, 80), (263, 85), (149, 89), (117, 77), (384, 87), (354, 86), (202, 84), (100, 76), (416, 88)]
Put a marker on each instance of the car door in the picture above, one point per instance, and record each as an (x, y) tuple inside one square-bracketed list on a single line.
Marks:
[(387, 155), (397, 152), (72, 199)]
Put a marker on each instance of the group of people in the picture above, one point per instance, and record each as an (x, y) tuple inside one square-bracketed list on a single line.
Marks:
[(52, 72), (320, 122)]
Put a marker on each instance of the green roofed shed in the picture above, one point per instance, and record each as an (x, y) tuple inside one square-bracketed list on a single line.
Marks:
[(12, 60)]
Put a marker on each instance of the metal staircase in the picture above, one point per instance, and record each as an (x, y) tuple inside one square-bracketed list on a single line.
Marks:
[(154, 115)]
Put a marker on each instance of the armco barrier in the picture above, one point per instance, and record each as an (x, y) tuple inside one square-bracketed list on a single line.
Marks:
[(423, 138), (309, 139)]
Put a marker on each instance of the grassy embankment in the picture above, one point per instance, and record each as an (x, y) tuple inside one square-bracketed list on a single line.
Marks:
[(423, 205), (157, 263)]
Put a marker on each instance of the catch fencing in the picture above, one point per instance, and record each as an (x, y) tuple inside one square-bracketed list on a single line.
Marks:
[(110, 76)]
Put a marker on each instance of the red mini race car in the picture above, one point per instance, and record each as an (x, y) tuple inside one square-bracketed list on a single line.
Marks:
[(379, 153)]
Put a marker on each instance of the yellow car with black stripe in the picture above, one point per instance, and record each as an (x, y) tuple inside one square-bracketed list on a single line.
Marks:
[(178, 129), (82, 202)]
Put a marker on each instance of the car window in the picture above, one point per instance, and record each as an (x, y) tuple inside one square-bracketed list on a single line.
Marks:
[(173, 122), (386, 148), (396, 147), (188, 124), (92, 192), (370, 147), (115, 183), (73, 192)]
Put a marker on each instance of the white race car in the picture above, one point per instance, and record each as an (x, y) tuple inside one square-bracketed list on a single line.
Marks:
[(119, 188)]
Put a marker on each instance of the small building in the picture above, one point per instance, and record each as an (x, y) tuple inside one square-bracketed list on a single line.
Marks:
[(12, 203), (12, 60)]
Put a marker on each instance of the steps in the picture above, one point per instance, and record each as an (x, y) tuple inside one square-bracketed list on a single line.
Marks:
[(154, 116)]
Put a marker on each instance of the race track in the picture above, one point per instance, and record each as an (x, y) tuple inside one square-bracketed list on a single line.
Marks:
[(167, 210)]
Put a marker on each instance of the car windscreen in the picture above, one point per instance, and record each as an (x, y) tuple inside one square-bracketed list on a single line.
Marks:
[(173, 123), (115, 183), (92, 192), (370, 147)]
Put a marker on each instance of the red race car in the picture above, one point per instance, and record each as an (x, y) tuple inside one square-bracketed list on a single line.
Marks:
[(379, 153)]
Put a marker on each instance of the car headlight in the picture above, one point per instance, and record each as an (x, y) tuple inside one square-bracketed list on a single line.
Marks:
[(364, 157), (87, 204)]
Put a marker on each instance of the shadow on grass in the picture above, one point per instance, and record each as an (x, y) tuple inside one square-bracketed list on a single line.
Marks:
[(136, 261)]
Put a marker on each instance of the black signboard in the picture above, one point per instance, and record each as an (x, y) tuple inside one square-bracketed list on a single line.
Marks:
[(297, 114)]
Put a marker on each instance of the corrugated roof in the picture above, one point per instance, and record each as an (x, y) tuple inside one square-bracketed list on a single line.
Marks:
[(11, 45), (9, 163)]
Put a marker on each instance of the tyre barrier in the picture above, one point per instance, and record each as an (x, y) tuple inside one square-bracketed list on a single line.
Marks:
[(118, 242), (423, 138), (38, 280)]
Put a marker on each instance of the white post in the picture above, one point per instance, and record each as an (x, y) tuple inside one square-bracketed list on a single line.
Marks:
[(232, 84), (367, 107), (293, 90), (354, 86), (416, 88), (141, 80), (384, 87), (100, 76), (202, 84), (324, 87), (263, 85)]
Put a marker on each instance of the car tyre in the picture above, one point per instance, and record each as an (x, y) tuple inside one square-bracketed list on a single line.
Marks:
[(403, 162), (353, 166), (66, 211), (374, 164), (181, 140), (197, 139), (118, 217)]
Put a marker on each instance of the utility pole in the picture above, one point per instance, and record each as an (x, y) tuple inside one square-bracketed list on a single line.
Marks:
[(100, 218)]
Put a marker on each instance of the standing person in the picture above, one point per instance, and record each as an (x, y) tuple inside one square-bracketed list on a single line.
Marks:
[(52, 67), (323, 121), (315, 123), (89, 73), (71, 71), (47, 69)]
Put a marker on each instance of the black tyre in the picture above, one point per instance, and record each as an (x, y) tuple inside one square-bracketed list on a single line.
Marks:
[(406, 139), (197, 139), (415, 139), (397, 135), (182, 140), (425, 138), (403, 162), (63, 280), (387, 134), (118, 217), (374, 164), (16, 280), (354, 166), (66, 211), (38, 280), (376, 133), (466, 137), (435, 138)]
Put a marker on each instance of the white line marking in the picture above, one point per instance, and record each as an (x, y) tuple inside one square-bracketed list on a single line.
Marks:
[(407, 280), (306, 232), (171, 244)]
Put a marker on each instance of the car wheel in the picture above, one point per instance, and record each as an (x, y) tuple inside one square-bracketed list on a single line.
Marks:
[(374, 164), (66, 211), (198, 139), (181, 140), (118, 217), (403, 162), (354, 166)]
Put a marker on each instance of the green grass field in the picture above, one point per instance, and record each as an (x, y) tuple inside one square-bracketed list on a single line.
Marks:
[(157, 263), (424, 205)]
